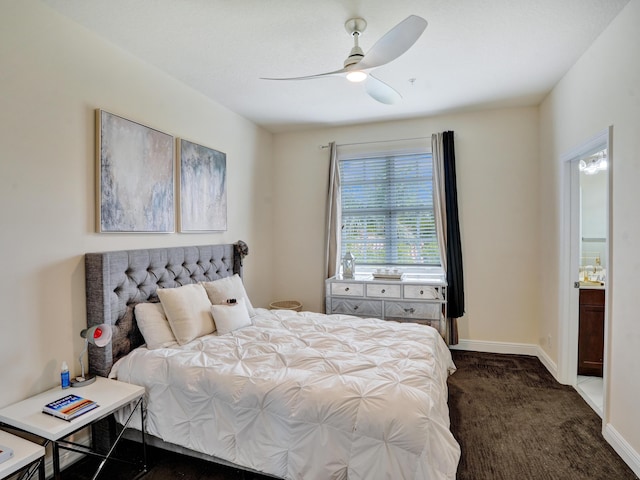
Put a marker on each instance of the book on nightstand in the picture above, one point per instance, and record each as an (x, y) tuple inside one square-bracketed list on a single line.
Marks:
[(5, 453), (69, 407)]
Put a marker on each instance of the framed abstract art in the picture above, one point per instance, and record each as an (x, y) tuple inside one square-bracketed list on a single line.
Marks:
[(135, 176), (203, 188)]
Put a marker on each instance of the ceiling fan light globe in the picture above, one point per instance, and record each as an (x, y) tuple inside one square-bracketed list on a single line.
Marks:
[(356, 76)]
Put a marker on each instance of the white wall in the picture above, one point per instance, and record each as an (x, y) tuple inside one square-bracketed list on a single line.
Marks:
[(602, 89), (497, 168), (53, 75)]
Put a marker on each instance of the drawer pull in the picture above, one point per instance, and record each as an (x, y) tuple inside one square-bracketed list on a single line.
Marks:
[(410, 310), (355, 307), (346, 289), (383, 290), (421, 292)]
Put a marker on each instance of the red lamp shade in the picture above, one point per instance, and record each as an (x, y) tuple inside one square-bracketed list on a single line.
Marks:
[(98, 335)]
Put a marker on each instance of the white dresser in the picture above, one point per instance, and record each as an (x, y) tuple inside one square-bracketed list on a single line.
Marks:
[(415, 298)]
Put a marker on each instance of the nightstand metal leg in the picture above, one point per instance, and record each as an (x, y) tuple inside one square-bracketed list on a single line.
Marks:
[(143, 428), (56, 461), (139, 404), (37, 466)]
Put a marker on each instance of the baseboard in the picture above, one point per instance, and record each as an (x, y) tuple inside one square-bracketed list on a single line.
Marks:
[(496, 347), (548, 363), (622, 448), (510, 348)]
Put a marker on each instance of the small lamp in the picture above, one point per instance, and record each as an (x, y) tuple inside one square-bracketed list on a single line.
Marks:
[(348, 265), (99, 336)]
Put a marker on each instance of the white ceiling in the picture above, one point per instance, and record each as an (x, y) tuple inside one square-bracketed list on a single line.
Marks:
[(474, 53)]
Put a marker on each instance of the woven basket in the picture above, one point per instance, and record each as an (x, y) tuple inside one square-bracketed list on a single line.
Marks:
[(286, 305)]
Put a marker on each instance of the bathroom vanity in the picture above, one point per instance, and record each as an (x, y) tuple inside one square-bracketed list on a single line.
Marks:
[(591, 331)]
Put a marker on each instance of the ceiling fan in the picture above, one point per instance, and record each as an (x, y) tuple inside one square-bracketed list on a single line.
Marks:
[(357, 66)]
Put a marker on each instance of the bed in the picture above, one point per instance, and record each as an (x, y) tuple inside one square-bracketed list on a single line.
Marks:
[(294, 395)]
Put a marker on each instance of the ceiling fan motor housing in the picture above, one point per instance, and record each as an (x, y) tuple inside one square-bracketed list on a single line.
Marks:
[(355, 26), (354, 57)]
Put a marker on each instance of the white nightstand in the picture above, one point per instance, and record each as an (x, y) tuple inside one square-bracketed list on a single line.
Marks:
[(25, 454), (110, 395)]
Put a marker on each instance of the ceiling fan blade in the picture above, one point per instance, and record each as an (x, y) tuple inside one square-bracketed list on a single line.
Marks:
[(394, 43), (381, 92), (309, 77)]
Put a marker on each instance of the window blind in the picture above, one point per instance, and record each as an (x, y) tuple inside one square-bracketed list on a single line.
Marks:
[(387, 209)]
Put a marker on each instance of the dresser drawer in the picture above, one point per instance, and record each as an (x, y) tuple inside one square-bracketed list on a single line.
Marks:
[(420, 292), (412, 310), (381, 290), (347, 289), (366, 308)]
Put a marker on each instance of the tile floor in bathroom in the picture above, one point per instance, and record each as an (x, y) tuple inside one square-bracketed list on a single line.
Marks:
[(590, 388)]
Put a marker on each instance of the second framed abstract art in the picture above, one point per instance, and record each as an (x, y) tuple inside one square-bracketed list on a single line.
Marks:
[(203, 188)]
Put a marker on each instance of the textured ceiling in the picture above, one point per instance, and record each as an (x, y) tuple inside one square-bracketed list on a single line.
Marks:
[(474, 53)]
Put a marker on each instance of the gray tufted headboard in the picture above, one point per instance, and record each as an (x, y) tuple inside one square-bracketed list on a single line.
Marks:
[(117, 281)]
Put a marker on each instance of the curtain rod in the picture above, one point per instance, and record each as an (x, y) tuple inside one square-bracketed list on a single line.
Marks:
[(377, 141)]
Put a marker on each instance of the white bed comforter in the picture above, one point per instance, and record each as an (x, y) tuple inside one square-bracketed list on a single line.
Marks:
[(306, 396)]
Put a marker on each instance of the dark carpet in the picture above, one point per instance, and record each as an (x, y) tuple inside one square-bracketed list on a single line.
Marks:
[(512, 419)]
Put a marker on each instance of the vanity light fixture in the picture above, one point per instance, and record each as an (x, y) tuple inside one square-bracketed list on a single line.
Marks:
[(594, 163)]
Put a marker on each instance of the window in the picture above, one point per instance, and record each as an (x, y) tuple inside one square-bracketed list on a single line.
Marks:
[(387, 209)]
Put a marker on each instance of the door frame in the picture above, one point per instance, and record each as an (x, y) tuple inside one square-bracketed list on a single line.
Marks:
[(569, 261)]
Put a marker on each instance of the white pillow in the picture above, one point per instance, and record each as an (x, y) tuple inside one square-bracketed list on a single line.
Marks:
[(230, 317), (219, 291), (154, 326), (187, 309)]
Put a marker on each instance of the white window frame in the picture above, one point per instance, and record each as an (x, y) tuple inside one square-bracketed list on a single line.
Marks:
[(381, 149)]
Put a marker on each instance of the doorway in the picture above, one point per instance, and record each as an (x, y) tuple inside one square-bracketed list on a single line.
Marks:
[(586, 269), (592, 276)]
